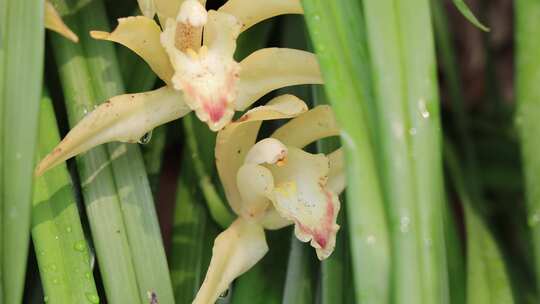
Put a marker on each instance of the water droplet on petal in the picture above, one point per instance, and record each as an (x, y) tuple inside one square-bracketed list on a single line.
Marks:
[(145, 138), (225, 293)]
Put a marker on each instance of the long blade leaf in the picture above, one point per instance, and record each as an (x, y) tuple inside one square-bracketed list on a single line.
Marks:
[(57, 233), (343, 62), (21, 62)]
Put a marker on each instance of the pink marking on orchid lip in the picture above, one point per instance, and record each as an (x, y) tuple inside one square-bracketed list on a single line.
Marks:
[(215, 111), (322, 235)]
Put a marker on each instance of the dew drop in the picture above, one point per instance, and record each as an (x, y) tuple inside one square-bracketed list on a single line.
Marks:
[(79, 246), (42, 252), (55, 281), (88, 275), (145, 138), (422, 108), (412, 131), (534, 219), (52, 267), (404, 224), (370, 240), (224, 294), (92, 297), (46, 299), (18, 155), (69, 229)]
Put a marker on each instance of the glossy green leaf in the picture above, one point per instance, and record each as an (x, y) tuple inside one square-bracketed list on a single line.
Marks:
[(59, 242), (21, 63), (120, 207), (344, 64)]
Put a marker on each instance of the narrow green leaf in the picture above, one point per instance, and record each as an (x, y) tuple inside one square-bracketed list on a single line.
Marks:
[(335, 28), (59, 242), (192, 237), (528, 112), (299, 282), (216, 205), (21, 63), (140, 218), (98, 187), (421, 96), (466, 12), (396, 131), (90, 75), (487, 278)]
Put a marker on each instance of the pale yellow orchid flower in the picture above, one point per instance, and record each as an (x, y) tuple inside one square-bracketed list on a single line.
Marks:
[(273, 183), (193, 55), (54, 22)]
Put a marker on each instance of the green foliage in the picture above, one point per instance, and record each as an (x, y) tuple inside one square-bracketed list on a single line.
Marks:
[(407, 235), (466, 11), (61, 248), (21, 63)]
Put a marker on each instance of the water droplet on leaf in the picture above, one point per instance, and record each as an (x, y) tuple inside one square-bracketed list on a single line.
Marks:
[(79, 246), (92, 297)]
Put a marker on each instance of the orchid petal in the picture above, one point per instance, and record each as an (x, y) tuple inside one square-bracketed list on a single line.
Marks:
[(55, 23), (235, 251), (168, 9), (147, 7), (336, 176), (301, 195), (272, 220), (208, 77), (255, 182), (141, 35), (234, 141), (251, 12), (273, 68), (123, 118), (266, 151), (313, 125), (221, 32)]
